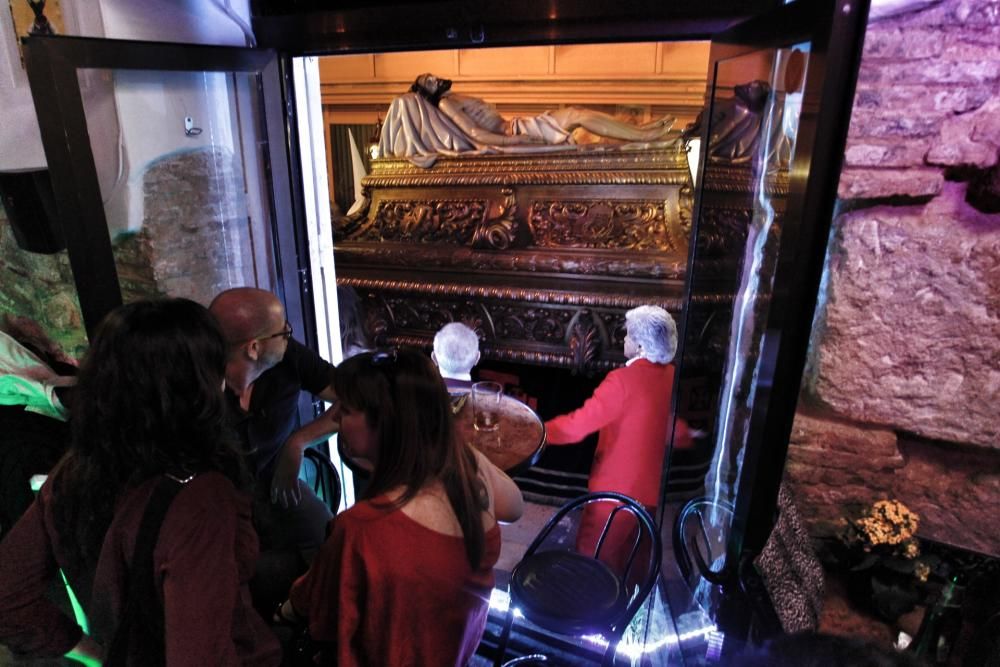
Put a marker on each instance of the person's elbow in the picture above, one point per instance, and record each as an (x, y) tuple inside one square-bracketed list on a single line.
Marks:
[(511, 509), (508, 505)]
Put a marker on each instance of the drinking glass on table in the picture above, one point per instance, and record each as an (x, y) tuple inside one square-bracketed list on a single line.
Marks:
[(486, 405)]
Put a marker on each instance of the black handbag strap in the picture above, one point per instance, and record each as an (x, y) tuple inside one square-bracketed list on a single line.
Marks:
[(142, 626)]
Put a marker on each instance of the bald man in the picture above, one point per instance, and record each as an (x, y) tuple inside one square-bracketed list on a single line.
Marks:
[(266, 369)]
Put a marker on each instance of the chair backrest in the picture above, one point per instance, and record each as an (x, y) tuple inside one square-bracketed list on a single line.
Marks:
[(646, 534), (691, 529), (319, 472)]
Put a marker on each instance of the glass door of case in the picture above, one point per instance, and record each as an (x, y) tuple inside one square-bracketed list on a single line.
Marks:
[(171, 170), (771, 138)]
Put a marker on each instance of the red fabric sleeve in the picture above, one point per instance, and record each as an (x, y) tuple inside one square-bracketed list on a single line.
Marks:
[(196, 560), (600, 409), (29, 622)]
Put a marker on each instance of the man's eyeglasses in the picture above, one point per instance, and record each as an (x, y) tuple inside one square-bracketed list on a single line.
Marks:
[(285, 333)]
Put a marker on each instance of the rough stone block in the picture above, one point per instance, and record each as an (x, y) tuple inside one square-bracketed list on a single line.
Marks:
[(933, 71), (890, 123), (832, 464), (960, 100), (970, 139), (919, 101), (907, 333), (881, 183), (955, 490), (895, 43), (983, 44), (956, 15), (195, 224), (886, 153)]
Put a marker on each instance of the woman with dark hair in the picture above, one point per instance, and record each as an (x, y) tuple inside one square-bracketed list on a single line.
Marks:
[(148, 414), (406, 575)]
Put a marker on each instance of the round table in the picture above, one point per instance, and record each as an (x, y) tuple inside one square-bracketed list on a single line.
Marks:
[(517, 442), (513, 447)]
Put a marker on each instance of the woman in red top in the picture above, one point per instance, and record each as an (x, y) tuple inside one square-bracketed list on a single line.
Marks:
[(149, 404), (405, 576)]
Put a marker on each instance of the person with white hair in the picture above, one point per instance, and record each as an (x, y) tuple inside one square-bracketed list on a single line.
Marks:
[(456, 352), (630, 409)]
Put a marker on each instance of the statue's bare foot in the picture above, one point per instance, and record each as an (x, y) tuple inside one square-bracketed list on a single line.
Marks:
[(656, 129), (665, 122)]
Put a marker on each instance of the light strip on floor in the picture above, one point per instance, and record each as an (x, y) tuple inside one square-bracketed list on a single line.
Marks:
[(500, 602)]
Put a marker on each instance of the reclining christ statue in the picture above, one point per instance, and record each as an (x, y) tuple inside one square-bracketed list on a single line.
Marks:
[(430, 121)]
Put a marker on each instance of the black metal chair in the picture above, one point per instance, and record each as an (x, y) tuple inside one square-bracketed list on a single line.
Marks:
[(571, 593), (689, 544), (319, 473)]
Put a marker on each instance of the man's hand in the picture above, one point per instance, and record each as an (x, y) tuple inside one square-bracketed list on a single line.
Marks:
[(285, 483)]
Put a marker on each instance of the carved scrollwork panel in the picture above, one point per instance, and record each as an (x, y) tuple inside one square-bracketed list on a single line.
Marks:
[(444, 221), (685, 208), (722, 231), (524, 261), (530, 323), (584, 341), (566, 335), (605, 224), (501, 231)]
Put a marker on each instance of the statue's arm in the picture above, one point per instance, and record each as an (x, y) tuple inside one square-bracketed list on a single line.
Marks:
[(476, 132)]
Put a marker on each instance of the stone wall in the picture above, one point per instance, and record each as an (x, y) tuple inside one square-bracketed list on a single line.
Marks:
[(194, 242), (901, 389), (195, 224)]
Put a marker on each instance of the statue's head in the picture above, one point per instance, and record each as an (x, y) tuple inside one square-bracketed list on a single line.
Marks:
[(431, 87)]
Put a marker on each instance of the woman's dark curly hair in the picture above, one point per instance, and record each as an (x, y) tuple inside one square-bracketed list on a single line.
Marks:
[(406, 403), (149, 400)]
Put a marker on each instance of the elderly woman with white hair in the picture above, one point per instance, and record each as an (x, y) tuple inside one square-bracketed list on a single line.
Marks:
[(631, 411)]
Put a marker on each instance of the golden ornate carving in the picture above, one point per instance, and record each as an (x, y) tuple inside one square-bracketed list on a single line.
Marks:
[(525, 178), (630, 224), (584, 341), (734, 178), (665, 166), (570, 336), (495, 292), (606, 263), (543, 254), (517, 356), (450, 221), (685, 209), (500, 232)]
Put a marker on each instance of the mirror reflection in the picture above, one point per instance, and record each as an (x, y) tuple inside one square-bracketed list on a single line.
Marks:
[(749, 135)]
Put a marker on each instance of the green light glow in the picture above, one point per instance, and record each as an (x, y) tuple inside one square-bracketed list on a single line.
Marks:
[(81, 620), (81, 616)]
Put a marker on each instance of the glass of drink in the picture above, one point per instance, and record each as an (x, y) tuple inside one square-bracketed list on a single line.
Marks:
[(486, 405)]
